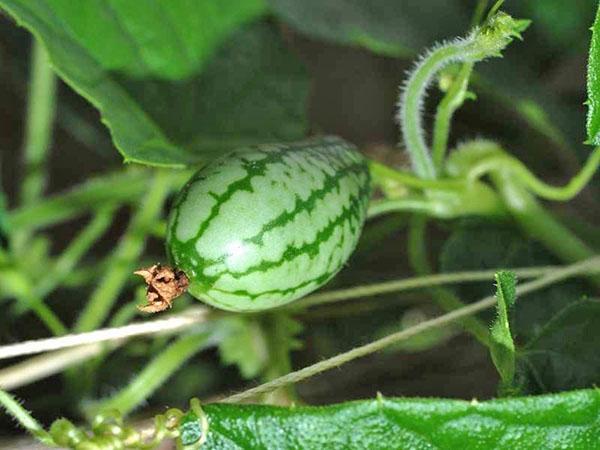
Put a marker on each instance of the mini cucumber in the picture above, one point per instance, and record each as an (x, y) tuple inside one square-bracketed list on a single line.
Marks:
[(266, 225)]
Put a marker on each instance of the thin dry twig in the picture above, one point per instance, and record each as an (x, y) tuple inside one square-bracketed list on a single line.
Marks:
[(48, 364), (175, 322)]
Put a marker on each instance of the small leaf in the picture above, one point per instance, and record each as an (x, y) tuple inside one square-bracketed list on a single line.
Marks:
[(567, 420), (244, 345), (593, 85), (502, 347), (564, 354), (177, 87)]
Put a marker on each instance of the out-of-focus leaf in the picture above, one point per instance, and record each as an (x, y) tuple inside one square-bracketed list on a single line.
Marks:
[(388, 27), (554, 331), (561, 23), (479, 246), (502, 347), (244, 345), (552, 422), (169, 113), (564, 354), (420, 342), (593, 85)]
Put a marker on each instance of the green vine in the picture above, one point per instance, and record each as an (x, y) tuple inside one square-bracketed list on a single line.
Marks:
[(488, 41)]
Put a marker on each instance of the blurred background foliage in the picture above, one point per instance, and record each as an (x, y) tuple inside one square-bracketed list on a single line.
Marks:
[(277, 71)]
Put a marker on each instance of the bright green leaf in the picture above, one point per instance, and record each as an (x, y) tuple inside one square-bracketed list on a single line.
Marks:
[(169, 39), (243, 344), (593, 85), (502, 347), (564, 354), (251, 91), (568, 420)]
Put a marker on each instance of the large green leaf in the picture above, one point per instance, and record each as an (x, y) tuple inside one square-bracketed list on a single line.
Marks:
[(568, 420), (564, 354), (593, 85), (389, 27), (162, 38), (148, 72)]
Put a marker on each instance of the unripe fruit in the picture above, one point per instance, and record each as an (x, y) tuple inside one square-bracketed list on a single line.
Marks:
[(263, 226)]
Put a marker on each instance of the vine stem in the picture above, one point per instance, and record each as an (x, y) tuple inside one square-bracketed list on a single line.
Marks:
[(34, 297), (528, 179), (128, 250), (387, 287), (407, 204), (78, 247), (195, 315), (41, 105), (14, 408), (484, 42), (19, 286), (411, 105), (76, 351), (539, 223), (479, 12), (153, 375), (279, 347), (382, 174), (453, 99), (126, 186), (417, 255), (446, 319)]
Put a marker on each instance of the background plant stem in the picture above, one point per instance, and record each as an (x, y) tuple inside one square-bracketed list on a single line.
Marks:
[(125, 256), (417, 254), (41, 104), (153, 375)]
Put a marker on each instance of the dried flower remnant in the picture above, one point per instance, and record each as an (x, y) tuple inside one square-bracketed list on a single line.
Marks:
[(164, 285)]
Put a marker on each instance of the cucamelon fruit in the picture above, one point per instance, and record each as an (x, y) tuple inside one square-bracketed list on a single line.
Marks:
[(266, 225)]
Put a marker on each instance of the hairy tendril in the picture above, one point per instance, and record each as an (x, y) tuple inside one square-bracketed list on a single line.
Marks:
[(483, 42)]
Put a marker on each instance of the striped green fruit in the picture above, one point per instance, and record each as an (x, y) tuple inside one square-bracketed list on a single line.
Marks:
[(266, 225)]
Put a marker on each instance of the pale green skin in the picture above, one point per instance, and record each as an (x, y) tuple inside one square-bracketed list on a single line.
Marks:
[(264, 226)]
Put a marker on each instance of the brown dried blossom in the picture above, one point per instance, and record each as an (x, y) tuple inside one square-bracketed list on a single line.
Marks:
[(164, 285)]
